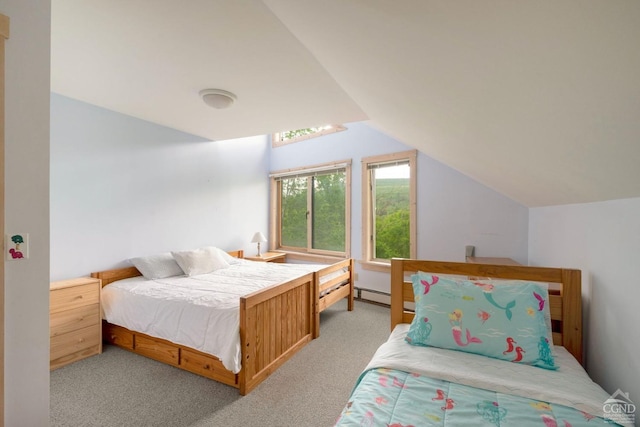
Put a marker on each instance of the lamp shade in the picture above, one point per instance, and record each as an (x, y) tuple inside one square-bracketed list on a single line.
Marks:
[(258, 238)]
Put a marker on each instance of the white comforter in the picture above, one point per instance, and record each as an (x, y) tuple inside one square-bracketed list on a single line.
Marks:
[(569, 385), (200, 311)]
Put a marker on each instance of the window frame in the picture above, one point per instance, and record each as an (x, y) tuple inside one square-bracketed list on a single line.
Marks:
[(275, 224), (277, 141), (368, 223)]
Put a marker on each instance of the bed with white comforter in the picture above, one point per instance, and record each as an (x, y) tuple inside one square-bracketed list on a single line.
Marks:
[(199, 311)]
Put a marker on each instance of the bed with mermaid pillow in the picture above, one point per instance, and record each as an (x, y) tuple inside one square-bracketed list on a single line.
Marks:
[(503, 348)]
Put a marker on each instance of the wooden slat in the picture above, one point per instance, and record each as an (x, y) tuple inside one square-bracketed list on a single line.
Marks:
[(397, 293), (572, 312), (335, 295), (273, 345), (110, 276), (555, 307), (539, 274), (343, 278), (278, 330), (316, 304), (407, 316)]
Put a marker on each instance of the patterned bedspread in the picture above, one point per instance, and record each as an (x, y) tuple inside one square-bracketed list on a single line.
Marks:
[(387, 397), (405, 385)]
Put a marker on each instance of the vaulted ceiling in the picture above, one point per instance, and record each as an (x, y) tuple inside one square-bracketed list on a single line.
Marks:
[(537, 99)]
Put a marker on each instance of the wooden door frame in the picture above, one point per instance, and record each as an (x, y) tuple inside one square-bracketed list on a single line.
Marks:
[(4, 34)]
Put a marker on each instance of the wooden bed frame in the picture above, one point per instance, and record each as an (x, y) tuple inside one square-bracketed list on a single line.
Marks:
[(275, 323), (565, 295), (333, 290)]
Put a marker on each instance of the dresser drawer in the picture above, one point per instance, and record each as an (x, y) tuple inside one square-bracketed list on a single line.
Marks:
[(70, 320), (73, 297), (75, 341)]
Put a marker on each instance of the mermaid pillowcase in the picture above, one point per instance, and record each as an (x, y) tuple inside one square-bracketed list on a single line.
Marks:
[(509, 322)]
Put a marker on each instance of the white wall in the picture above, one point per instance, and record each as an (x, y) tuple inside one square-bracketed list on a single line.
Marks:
[(123, 187), (26, 368), (603, 240), (453, 210)]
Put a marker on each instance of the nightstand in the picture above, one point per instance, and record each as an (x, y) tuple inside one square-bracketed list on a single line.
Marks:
[(269, 257), (75, 327)]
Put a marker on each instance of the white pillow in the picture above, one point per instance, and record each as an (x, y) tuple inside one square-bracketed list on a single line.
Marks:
[(225, 256), (157, 266), (200, 261)]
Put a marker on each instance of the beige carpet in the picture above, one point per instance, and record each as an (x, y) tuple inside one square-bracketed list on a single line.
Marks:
[(118, 388)]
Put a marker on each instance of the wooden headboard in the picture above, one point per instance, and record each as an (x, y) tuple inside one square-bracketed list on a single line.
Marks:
[(565, 299), (110, 276)]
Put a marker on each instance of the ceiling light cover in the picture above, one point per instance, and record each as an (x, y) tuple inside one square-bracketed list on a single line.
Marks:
[(218, 98)]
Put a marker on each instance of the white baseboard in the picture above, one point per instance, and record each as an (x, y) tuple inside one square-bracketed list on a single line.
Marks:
[(371, 295)]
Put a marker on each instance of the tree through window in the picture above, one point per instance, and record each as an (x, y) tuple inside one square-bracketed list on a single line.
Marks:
[(311, 209), (389, 206), (289, 136)]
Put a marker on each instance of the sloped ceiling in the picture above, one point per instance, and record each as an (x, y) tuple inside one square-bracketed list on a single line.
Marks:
[(539, 99)]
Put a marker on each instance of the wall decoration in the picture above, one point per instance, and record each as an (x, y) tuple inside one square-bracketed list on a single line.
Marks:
[(17, 246)]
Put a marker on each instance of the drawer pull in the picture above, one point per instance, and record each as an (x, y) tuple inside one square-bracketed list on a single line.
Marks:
[(207, 366), (81, 340), (78, 297), (80, 318)]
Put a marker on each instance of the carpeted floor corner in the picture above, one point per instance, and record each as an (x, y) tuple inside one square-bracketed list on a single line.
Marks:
[(119, 388)]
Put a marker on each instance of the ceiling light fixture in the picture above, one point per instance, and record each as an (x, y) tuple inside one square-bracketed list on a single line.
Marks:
[(217, 98)]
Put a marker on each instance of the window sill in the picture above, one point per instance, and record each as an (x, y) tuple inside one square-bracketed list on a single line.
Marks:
[(325, 259), (384, 267)]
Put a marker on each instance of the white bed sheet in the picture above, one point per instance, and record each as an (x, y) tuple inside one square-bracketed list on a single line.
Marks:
[(569, 385), (200, 311)]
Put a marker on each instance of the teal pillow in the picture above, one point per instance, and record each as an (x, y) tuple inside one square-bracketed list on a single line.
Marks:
[(502, 321)]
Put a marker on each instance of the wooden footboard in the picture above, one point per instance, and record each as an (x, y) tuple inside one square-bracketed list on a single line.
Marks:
[(274, 324), (333, 290)]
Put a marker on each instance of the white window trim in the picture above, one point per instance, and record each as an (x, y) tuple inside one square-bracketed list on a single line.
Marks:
[(368, 262)]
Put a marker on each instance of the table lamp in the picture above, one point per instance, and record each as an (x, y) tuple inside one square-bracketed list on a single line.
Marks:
[(258, 238)]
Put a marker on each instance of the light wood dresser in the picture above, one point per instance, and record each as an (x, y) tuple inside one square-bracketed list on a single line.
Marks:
[(74, 320)]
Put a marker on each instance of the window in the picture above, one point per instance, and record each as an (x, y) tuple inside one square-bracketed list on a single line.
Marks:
[(389, 207), (310, 209), (289, 136)]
